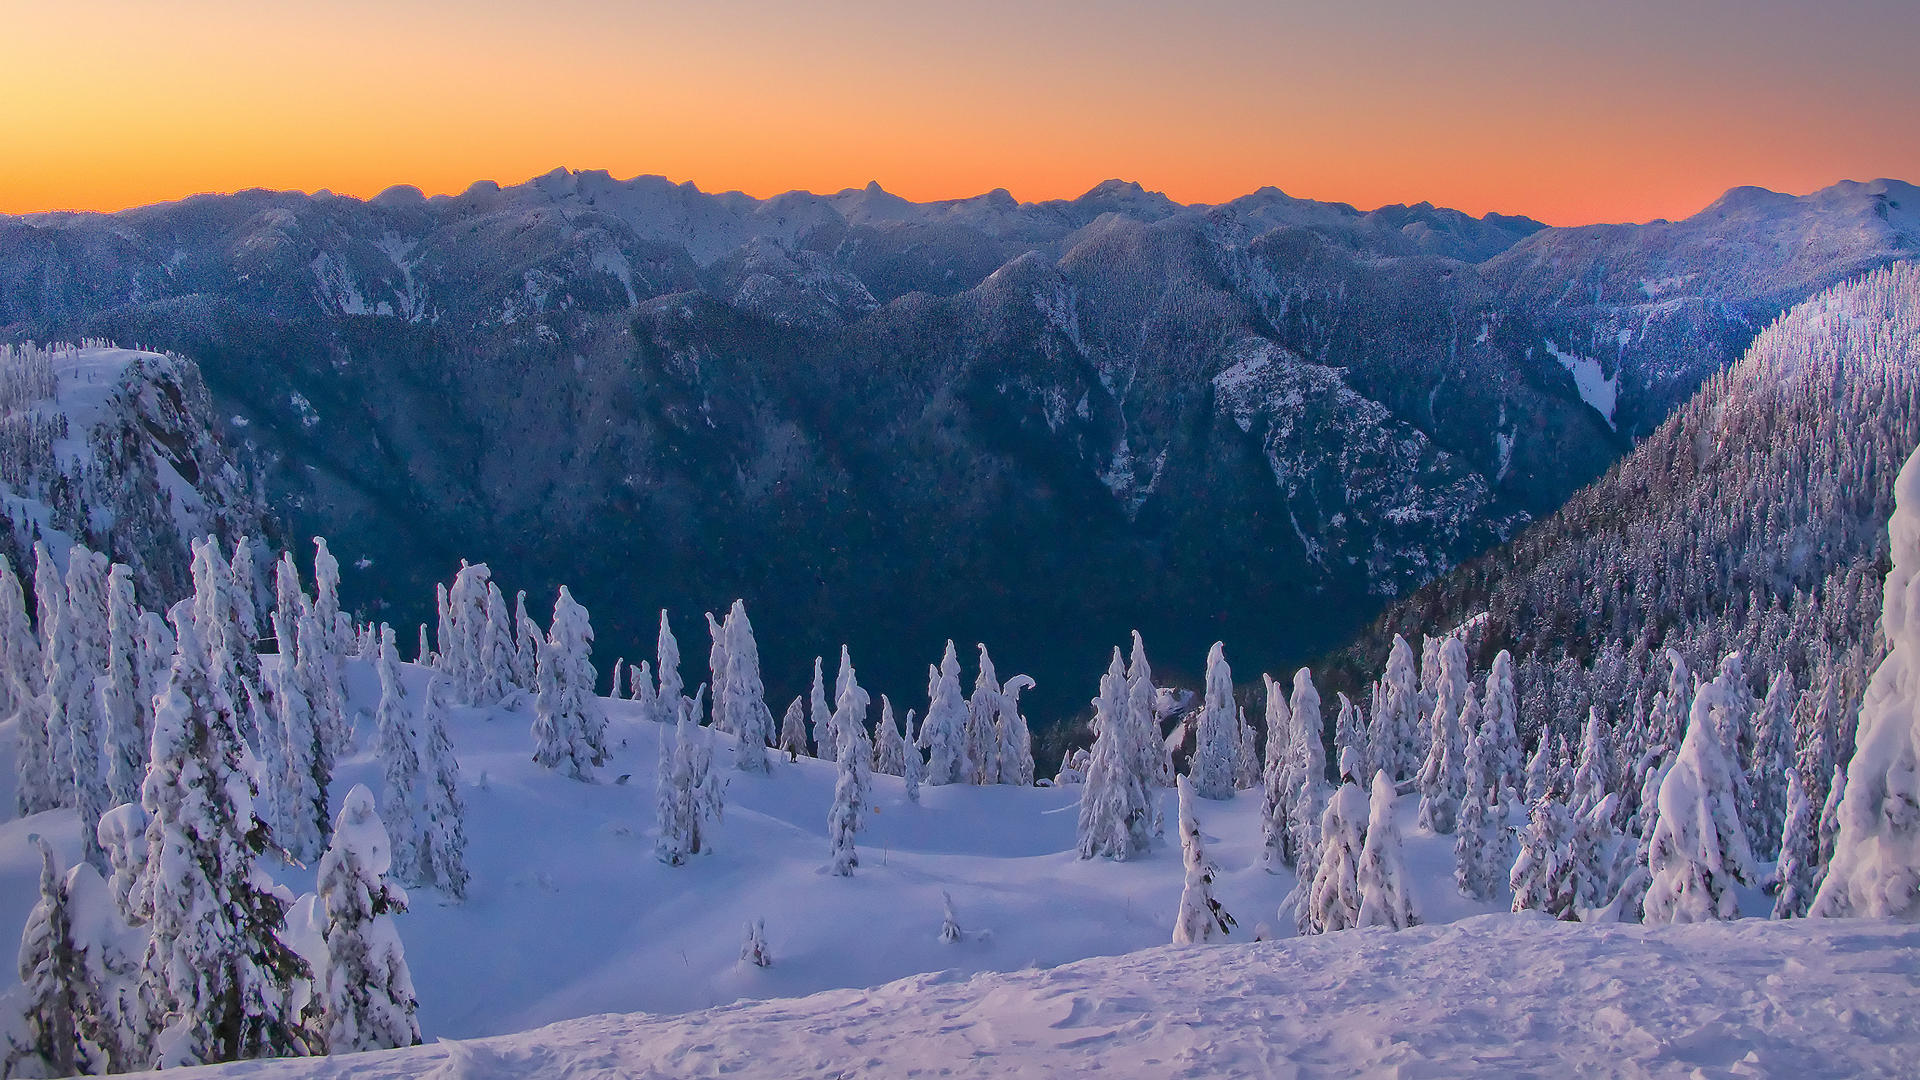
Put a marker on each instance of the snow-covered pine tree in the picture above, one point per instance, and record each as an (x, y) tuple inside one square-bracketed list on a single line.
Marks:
[(569, 728), (751, 721), (497, 649), (1156, 761), (1350, 733), (526, 644), (1276, 800), (717, 680), (1214, 750), (218, 979), (670, 698), (1016, 742), (124, 713), (1440, 780), (916, 769), (1481, 849), (793, 730), (326, 594), (980, 741), (753, 949), (1827, 834), (1334, 902), (1246, 753), (123, 833), (49, 977), (645, 691), (889, 748), (1114, 798), (851, 787), (1200, 915), (1699, 850), (243, 578), (397, 745), (1307, 767), (617, 690), (826, 746), (1540, 770), (1593, 777), (423, 650), (1499, 720), (84, 619), (1540, 877), (1382, 873), (441, 835), (1875, 868), (687, 792), (943, 729), (366, 993), (308, 711), (19, 649), (1799, 853), (1770, 758)]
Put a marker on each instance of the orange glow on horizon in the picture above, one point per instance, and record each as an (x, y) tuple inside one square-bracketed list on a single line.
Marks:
[(1651, 115)]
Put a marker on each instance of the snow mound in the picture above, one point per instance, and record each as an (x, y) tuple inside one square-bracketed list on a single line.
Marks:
[(1496, 995)]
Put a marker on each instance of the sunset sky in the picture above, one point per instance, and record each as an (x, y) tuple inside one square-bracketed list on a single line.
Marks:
[(1572, 113)]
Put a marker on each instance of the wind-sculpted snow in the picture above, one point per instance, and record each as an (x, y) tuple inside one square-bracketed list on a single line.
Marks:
[(1498, 995)]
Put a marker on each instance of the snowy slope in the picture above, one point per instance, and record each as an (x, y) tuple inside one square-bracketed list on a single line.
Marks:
[(1500, 995), (570, 914)]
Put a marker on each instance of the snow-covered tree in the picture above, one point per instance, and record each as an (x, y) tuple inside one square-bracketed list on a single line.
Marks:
[(1441, 783), (1382, 873), (826, 745), (124, 713), (753, 948), (617, 688), (79, 969), (569, 728), (850, 790), (749, 719), (1016, 742), (1875, 869), (889, 747), (1307, 767), (1334, 901), (526, 644), (943, 729), (1396, 723), (980, 739), (46, 750), (219, 980), (1770, 758), (81, 664), (1156, 760), (670, 697), (366, 994), (717, 674), (49, 982), (1540, 771), (1246, 753), (1276, 801), (645, 691), (326, 593), (1699, 850), (1593, 777), (687, 791), (1350, 733), (439, 811), (497, 649), (1481, 845), (1499, 721), (1214, 750), (793, 730), (916, 766), (397, 745), (1200, 914), (1799, 853), (306, 703), (20, 674), (1540, 878), (1116, 819), (1591, 849)]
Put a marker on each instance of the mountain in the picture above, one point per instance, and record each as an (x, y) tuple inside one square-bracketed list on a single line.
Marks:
[(1033, 424), (116, 449), (1753, 519)]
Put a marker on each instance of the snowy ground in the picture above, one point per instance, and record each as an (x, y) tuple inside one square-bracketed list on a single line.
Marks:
[(571, 915), (1497, 995)]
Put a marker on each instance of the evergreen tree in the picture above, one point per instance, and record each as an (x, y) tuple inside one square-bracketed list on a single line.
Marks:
[(1481, 849), (1540, 770), (440, 812), (306, 703), (1334, 902), (717, 675), (49, 981), (1276, 800), (1156, 761), (497, 649), (980, 739), (889, 748), (46, 750), (851, 787), (1593, 778), (1799, 853), (1307, 766), (526, 644), (1350, 733), (793, 729), (1499, 712), (688, 792), (1699, 850), (1590, 849), (569, 729), (1440, 776), (943, 729), (125, 715), (367, 997), (1211, 769), (1396, 724), (219, 981), (1115, 821), (1542, 879), (750, 720), (826, 746), (1016, 742), (398, 747), (916, 767), (326, 594), (19, 649), (670, 698), (1382, 873), (84, 618), (1246, 753), (1200, 913), (1770, 759)]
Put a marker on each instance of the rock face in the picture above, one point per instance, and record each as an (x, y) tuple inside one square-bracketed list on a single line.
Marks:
[(116, 449), (889, 423)]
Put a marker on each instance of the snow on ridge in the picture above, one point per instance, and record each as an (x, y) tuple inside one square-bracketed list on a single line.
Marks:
[(1597, 389), (1493, 995)]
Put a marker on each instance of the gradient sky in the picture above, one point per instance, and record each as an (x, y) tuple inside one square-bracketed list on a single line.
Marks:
[(1571, 112)]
